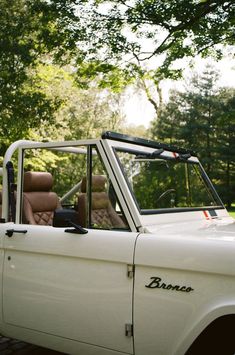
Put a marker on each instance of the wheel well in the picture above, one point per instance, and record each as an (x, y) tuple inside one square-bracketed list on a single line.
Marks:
[(217, 338)]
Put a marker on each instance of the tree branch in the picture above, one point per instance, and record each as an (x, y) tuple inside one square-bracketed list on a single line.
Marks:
[(217, 42), (184, 26)]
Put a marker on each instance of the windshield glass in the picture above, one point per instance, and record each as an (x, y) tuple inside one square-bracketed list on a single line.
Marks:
[(166, 182)]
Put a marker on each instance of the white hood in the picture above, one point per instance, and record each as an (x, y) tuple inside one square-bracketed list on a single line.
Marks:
[(205, 246), (219, 228)]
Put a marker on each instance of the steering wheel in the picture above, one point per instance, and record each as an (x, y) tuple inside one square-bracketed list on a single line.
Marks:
[(165, 193)]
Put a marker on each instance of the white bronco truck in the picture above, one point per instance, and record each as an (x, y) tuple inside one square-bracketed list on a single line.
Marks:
[(118, 245)]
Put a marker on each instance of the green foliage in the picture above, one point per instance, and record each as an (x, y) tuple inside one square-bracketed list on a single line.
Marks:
[(147, 28), (29, 29), (103, 39), (105, 44), (105, 75), (81, 114), (203, 118), (232, 211), (133, 130)]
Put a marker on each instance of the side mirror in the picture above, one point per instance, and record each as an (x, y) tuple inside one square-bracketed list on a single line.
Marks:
[(64, 217)]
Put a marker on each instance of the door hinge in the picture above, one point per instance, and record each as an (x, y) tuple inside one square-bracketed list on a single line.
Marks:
[(130, 271), (129, 330)]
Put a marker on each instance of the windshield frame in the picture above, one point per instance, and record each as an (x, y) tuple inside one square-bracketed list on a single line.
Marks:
[(191, 160)]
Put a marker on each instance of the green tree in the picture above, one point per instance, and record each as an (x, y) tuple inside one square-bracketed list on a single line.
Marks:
[(203, 119), (142, 29), (102, 39), (30, 29), (225, 146), (83, 113), (129, 33)]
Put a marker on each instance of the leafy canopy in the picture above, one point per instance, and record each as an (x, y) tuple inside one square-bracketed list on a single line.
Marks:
[(29, 31), (171, 29), (106, 38)]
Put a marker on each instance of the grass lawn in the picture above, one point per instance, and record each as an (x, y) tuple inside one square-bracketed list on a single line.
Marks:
[(232, 211)]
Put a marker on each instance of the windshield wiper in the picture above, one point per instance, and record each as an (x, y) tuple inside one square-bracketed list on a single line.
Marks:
[(157, 152), (183, 157), (152, 155)]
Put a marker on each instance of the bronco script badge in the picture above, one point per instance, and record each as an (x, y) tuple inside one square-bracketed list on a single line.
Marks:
[(157, 283)]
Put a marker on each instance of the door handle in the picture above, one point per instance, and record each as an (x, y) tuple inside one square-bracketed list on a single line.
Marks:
[(9, 232)]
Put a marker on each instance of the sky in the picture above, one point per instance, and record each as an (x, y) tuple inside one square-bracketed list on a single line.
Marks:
[(139, 111)]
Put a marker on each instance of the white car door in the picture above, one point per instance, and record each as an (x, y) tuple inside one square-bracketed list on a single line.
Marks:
[(70, 285)]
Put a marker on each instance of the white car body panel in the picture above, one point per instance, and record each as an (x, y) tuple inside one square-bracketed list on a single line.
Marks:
[(68, 284), (190, 255)]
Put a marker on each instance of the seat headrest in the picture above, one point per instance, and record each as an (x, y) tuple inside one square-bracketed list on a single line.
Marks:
[(99, 201), (37, 181), (98, 183)]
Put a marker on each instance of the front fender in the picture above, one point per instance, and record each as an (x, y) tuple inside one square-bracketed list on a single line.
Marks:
[(201, 323)]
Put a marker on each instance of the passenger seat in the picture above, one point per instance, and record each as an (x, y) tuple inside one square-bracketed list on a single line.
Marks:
[(103, 214)]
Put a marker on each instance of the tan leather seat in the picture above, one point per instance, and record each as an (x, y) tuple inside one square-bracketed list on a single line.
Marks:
[(39, 203), (103, 214)]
